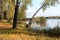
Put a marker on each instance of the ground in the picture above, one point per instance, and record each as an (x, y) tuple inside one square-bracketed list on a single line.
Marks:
[(21, 33)]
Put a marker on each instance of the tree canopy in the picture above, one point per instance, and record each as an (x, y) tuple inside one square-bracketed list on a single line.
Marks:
[(49, 3)]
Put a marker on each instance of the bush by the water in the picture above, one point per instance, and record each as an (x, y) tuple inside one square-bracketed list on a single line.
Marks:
[(52, 32)]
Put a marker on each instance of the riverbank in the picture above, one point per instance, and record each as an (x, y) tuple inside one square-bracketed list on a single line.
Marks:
[(22, 33)]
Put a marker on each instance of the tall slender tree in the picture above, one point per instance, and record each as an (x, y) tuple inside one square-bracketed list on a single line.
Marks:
[(16, 14), (30, 22), (46, 4), (23, 3)]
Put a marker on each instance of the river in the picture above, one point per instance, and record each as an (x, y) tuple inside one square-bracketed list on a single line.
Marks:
[(50, 23)]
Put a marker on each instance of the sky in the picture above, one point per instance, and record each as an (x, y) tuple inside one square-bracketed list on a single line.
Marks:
[(36, 4)]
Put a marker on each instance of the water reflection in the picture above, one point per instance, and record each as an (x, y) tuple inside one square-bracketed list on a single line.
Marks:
[(53, 22), (50, 23)]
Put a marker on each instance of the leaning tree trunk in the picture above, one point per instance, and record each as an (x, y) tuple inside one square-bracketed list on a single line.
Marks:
[(30, 22), (16, 15)]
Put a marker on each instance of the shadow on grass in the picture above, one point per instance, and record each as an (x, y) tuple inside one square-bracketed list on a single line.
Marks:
[(27, 31)]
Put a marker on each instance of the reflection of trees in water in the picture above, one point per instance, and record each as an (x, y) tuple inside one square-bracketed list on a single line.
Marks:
[(42, 21), (37, 26), (50, 23), (39, 23), (58, 24)]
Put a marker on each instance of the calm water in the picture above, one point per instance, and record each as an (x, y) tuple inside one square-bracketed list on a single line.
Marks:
[(51, 23)]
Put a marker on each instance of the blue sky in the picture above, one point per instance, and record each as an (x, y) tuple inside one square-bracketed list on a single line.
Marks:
[(51, 11)]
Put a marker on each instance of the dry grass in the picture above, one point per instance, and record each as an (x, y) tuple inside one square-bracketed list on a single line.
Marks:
[(22, 33)]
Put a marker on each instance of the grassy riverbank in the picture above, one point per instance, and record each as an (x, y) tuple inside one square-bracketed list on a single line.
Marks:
[(22, 33)]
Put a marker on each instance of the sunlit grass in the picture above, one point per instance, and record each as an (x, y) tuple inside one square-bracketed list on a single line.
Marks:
[(22, 33)]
